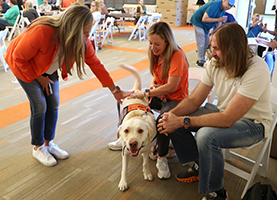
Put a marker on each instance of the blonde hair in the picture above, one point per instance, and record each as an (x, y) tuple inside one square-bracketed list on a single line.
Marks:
[(164, 31), (235, 52), (29, 5), (97, 4), (69, 34), (255, 15)]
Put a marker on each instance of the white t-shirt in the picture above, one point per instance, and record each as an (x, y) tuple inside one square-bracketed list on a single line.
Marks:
[(96, 16), (254, 84), (55, 64)]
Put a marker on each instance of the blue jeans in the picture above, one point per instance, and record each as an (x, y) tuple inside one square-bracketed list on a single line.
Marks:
[(44, 109), (209, 142), (202, 42)]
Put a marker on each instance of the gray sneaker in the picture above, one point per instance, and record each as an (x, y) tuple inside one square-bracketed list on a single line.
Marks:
[(43, 156), (56, 151)]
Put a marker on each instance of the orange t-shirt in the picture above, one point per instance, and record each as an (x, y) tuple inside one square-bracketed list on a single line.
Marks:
[(178, 67), (66, 3)]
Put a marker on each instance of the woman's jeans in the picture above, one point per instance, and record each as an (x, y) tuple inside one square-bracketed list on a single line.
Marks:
[(44, 109), (210, 141), (162, 140)]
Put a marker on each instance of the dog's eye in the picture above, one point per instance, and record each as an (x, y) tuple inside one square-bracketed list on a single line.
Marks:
[(126, 131), (140, 131)]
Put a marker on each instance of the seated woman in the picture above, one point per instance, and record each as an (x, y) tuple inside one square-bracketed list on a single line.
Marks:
[(95, 7), (29, 11), (141, 9), (10, 16), (169, 85)]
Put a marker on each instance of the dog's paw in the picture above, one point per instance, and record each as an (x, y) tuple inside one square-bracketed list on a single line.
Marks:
[(122, 186), (148, 176)]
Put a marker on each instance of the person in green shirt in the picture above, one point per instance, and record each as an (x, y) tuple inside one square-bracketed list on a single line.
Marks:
[(10, 16), (141, 9)]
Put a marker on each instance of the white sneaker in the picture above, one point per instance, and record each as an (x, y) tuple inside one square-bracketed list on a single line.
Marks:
[(43, 156), (116, 145), (56, 151), (163, 169)]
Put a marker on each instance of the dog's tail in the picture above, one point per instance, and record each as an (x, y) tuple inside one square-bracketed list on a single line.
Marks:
[(134, 71)]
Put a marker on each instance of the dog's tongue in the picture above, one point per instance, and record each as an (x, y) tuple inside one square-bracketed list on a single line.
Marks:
[(134, 152)]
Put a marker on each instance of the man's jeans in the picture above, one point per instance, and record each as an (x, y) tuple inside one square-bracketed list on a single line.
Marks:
[(202, 42), (44, 109), (210, 141)]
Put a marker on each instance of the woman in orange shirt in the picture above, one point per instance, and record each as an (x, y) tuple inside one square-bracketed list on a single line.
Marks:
[(49, 44), (169, 68)]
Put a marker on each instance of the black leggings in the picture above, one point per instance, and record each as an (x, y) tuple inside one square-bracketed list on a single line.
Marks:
[(162, 140)]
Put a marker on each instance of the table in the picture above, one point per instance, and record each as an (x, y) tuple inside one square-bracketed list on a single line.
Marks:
[(124, 15)]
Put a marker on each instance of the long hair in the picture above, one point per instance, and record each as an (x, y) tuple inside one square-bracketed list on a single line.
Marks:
[(235, 52), (29, 5), (164, 31), (69, 34), (97, 5)]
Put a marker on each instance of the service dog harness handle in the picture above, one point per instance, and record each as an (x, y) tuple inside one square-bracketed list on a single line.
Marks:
[(133, 107)]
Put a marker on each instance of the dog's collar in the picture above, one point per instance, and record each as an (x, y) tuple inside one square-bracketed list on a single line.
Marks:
[(133, 107)]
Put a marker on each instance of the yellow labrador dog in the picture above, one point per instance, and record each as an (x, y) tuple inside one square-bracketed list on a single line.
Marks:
[(136, 131)]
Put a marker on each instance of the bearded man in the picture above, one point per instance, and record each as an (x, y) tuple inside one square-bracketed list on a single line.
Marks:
[(241, 117)]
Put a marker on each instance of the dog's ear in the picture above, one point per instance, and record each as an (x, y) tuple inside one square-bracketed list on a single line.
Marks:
[(118, 131), (150, 133)]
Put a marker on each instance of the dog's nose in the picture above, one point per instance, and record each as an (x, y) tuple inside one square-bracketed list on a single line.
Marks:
[(133, 144)]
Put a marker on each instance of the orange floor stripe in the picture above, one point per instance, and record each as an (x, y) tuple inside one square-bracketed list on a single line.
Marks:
[(124, 49), (21, 111)]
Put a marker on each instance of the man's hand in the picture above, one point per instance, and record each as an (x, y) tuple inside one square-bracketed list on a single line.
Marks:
[(169, 123)]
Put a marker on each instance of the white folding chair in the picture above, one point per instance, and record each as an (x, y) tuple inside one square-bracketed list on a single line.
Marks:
[(102, 22), (3, 48), (119, 23), (14, 28), (155, 17), (106, 32), (139, 29), (23, 23), (261, 161), (92, 35)]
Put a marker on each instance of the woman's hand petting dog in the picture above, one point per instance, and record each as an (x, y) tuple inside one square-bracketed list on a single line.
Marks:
[(120, 95), (136, 94)]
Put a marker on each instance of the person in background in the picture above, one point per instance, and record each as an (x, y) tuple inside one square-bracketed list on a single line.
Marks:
[(4, 6), (141, 9), (29, 11), (10, 16), (241, 118), (169, 85), (205, 18), (63, 4), (39, 2), (20, 4), (35, 57), (256, 27), (95, 10), (45, 6), (104, 10)]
